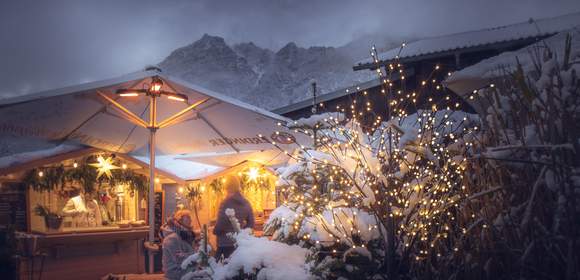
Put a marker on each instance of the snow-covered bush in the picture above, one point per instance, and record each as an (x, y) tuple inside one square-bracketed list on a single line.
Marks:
[(526, 170), (364, 203), (260, 258), (254, 258)]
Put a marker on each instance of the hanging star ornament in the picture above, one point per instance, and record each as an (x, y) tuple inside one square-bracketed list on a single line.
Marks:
[(104, 166)]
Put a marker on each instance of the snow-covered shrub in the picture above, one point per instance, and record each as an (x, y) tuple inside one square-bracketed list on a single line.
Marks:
[(365, 202), (526, 168), (260, 258), (254, 258), (199, 264), (438, 194)]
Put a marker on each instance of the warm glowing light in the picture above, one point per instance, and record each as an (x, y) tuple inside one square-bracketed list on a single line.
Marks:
[(180, 190), (253, 173), (104, 166), (75, 165), (177, 98), (157, 180), (124, 166), (128, 94), (156, 85), (40, 174)]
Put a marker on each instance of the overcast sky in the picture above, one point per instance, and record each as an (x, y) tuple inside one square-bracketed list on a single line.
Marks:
[(50, 44)]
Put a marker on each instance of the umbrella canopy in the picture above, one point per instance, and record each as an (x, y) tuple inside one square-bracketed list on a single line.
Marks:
[(173, 117), (266, 157), (80, 114)]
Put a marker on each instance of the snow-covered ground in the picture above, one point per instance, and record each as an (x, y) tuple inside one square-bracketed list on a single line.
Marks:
[(258, 256), (274, 260)]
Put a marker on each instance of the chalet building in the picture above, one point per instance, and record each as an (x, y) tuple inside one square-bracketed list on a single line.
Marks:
[(449, 53)]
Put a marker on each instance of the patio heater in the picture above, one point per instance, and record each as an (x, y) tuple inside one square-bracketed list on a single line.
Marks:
[(153, 91)]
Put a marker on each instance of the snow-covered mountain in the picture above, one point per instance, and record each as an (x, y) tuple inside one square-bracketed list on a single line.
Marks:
[(261, 76)]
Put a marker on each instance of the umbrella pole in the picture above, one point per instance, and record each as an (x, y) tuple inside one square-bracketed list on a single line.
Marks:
[(151, 195), (152, 129)]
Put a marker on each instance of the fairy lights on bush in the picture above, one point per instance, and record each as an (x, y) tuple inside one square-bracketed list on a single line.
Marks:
[(384, 187)]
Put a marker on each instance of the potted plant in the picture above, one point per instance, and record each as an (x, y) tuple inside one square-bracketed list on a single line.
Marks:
[(52, 220)]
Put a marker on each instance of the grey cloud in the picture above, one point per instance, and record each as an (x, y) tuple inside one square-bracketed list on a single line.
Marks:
[(49, 44)]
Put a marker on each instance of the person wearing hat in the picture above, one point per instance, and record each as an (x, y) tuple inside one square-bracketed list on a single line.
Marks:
[(178, 239)]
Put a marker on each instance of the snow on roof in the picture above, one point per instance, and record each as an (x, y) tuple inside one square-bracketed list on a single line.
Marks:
[(326, 97), (17, 159), (481, 74), (336, 94), (523, 30), (184, 169)]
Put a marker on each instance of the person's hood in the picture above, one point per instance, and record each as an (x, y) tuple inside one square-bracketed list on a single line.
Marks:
[(237, 198)]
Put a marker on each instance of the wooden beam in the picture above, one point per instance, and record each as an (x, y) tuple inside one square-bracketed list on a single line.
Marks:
[(171, 120), (130, 116)]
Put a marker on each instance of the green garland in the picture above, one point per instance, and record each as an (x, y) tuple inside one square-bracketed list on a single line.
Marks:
[(217, 186), (55, 177)]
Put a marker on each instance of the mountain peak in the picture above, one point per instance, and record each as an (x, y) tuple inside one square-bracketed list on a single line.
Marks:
[(259, 75), (291, 46), (248, 47), (208, 41), (289, 52)]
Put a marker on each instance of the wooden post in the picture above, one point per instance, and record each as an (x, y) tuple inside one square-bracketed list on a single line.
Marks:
[(204, 259), (314, 111), (457, 61)]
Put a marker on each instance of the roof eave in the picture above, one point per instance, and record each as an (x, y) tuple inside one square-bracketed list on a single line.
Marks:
[(438, 54)]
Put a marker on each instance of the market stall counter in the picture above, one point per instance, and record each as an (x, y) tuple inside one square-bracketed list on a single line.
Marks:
[(86, 254), (78, 215)]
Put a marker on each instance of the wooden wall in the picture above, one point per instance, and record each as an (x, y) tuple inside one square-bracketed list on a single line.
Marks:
[(88, 256)]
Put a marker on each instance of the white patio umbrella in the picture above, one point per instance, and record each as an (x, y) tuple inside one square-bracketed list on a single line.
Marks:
[(271, 157), (135, 113)]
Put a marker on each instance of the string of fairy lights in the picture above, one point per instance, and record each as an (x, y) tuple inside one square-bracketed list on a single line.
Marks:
[(418, 185)]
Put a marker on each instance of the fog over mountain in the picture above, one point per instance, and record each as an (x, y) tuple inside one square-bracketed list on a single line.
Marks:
[(58, 43), (267, 78)]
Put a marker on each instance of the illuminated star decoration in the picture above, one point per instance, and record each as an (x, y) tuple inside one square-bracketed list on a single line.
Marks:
[(104, 166), (253, 173)]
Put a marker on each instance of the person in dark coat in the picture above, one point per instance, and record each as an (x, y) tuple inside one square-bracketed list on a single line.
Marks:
[(178, 238), (244, 213)]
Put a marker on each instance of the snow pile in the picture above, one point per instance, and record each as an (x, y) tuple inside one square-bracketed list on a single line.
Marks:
[(266, 259), (280, 223), (253, 258), (319, 121), (328, 227)]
